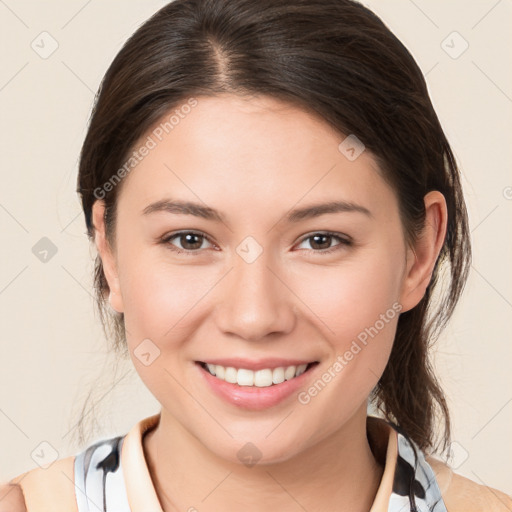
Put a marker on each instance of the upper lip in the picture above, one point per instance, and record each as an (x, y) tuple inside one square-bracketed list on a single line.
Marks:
[(259, 364)]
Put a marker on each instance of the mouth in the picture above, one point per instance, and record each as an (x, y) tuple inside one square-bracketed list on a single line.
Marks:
[(261, 378)]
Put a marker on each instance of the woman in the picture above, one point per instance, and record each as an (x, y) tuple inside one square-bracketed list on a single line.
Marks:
[(273, 201)]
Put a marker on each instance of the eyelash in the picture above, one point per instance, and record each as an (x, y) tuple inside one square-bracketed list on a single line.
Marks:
[(344, 242)]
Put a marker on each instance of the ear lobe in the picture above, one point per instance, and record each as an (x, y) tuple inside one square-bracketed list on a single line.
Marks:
[(422, 257), (107, 255)]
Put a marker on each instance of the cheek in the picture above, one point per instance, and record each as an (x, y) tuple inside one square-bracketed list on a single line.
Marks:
[(358, 313), (355, 306), (348, 298), (160, 297)]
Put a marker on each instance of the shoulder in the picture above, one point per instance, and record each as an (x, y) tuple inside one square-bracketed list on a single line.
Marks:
[(33, 490), (11, 498), (461, 494)]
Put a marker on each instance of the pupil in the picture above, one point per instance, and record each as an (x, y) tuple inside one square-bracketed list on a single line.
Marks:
[(188, 238), (324, 237)]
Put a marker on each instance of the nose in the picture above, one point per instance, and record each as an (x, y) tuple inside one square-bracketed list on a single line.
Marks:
[(255, 301)]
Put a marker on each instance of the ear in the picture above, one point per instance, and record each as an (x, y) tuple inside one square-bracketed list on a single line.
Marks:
[(421, 258), (107, 255)]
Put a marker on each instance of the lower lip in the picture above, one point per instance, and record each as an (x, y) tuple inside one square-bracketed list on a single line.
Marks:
[(252, 397)]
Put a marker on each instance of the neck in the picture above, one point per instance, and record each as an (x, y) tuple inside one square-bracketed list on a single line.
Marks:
[(340, 470)]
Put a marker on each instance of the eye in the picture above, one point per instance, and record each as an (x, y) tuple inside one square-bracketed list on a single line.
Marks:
[(190, 240), (323, 241)]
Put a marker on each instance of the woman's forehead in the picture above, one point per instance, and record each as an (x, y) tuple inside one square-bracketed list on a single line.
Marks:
[(227, 145)]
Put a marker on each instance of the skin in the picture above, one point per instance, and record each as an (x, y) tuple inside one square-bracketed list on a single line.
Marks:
[(254, 159)]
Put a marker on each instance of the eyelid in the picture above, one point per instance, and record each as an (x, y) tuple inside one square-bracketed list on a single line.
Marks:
[(344, 238), (169, 236), (344, 241)]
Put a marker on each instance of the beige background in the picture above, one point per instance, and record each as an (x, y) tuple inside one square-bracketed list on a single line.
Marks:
[(53, 349)]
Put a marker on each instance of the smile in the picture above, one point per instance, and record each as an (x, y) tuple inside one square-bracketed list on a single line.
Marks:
[(264, 377), (266, 383)]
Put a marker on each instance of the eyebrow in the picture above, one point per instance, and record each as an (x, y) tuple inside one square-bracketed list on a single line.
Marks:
[(296, 215)]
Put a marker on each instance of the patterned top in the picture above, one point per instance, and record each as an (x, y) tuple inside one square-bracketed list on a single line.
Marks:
[(112, 475)]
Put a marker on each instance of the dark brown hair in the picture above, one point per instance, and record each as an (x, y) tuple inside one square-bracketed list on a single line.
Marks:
[(337, 59)]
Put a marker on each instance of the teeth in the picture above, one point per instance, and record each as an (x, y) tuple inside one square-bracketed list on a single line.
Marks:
[(289, 373), (220, 371), (245, 377), (301, 369), (278, 375), (231, 375), (259, 378), (263, 378)]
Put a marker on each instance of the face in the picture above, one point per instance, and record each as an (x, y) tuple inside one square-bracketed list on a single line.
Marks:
[(251, 276)]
